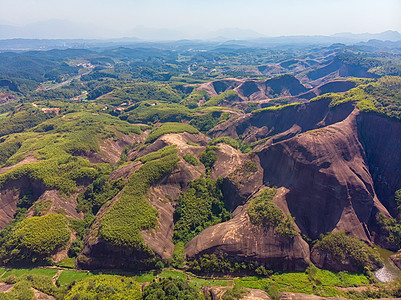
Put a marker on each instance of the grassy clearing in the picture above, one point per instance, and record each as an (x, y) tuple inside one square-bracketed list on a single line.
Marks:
[(313, 281), (147, 277), (20, 272), (105, 287), (66, 277), (172, 274), (200, 282)]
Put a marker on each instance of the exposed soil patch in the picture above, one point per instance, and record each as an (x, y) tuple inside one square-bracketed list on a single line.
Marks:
[(27, 160)]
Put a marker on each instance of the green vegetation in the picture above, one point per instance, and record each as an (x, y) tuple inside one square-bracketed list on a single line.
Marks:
[(67, 277), (242, 174), (154, 111), (140, 91), (178, 259), (275, 108), (20, 291), (169, 150), (151, 85), (208, 117), (26, 117), (171, 274), (391, 229), (200, 207), (227, 96), (237, 292), (105, 287), (41, 208), (171, 288), (341, 247), (24, 283), (198, 283), (146, 277), (169, 128), (35, 239), (192, 160), (122, 224), (98, 193), (193, 99), (313, 281), (222, 264), (57, 144), (68, 262), (382, 96), (263, 212), (21, 272), (237, 144), (208, 157), (8, 148)]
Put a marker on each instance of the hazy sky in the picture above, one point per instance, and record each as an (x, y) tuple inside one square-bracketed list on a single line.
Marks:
[(268, 17)]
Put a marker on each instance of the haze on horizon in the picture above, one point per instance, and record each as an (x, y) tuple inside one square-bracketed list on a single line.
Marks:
[(193, 19)]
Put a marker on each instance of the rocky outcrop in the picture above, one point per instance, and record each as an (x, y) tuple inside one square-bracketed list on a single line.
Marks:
[(111, 148), (56, 203), (306, 117), (8, 205), (255, 294), (162, 196), (243, 182), (241, 240), (335, 86), (257, 90), (396, 259), (327, 261), (329, 181), (228, 160), (217, 293), (380, 137), (10, 194)]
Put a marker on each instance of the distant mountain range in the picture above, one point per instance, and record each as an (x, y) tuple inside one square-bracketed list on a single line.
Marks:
[(65, 34)]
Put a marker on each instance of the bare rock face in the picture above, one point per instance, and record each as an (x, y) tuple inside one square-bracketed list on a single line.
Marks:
[(329, 182), (10, 194), (228, 160), (256, 90), (241, 240), (306, 116), (326, 261), (255, 294), (243, 182), (380, 137), (213, 292), (8, 205), (396, 258)]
